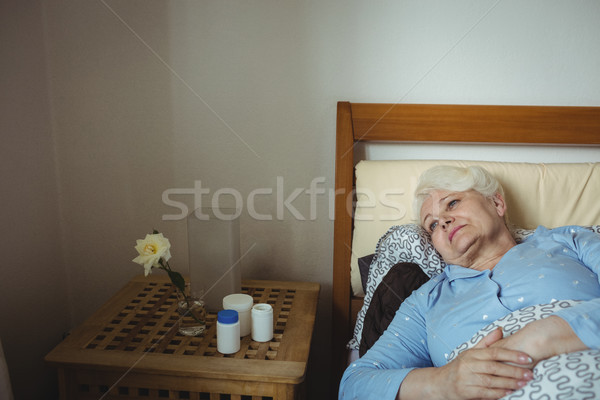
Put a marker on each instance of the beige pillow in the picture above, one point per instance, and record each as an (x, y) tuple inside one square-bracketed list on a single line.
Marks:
[(537, 194)]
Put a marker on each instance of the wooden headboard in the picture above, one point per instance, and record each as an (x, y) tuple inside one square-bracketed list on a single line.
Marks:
[(361, 122)]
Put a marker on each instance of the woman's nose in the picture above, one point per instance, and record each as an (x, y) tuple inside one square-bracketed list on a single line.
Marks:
[(446, 222)]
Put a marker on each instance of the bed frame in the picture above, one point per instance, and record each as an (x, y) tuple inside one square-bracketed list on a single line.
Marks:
[(362, 122)]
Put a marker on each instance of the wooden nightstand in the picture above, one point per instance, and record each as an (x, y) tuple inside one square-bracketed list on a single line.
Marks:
[(130, 348)]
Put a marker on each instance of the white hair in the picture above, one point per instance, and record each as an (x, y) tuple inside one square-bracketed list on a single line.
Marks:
[(455, 179)]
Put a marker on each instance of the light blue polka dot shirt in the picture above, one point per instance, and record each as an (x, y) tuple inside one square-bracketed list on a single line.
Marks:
[(557, 264)]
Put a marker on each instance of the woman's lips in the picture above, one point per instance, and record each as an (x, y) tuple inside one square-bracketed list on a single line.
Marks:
[(453, 232)]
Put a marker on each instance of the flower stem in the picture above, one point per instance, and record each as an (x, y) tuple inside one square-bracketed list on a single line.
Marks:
[(179, 284)]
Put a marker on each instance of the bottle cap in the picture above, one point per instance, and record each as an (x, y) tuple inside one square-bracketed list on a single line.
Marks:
[(262, 308), (227, 316)]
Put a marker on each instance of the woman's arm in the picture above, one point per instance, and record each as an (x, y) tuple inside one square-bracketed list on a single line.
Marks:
[(481, 372), (543, 339), (582, 321), (379, 373)]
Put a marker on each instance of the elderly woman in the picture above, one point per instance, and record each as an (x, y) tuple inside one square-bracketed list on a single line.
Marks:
[(487, 277)]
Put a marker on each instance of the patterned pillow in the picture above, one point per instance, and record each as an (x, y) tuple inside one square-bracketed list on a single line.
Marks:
[(573, 376), (401, 244), (566, 376), (409, 244)]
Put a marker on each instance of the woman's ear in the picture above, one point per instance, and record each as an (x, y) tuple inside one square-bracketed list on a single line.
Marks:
[(499, 204)]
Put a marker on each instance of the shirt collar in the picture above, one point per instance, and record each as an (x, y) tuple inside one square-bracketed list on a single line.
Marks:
[(457, 272)]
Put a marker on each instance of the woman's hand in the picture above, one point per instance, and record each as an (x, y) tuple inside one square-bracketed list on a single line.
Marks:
[(478, 373), (543, 339)]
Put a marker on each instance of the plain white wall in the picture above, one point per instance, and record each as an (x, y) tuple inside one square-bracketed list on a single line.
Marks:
[(150, 95)]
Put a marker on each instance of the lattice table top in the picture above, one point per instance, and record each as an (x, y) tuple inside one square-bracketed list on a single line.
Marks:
[(137, 329), (148, 324)]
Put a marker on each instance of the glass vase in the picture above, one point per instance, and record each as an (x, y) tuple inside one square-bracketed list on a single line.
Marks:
[(214, 250), (192, 315)]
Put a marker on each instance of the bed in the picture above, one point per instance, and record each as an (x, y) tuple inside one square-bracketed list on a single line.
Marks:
[(370, 122)]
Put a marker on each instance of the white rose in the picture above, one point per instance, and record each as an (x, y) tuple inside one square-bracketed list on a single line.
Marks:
[(151, 249)]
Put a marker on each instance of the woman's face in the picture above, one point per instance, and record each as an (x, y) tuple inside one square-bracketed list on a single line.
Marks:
[(463, 224)]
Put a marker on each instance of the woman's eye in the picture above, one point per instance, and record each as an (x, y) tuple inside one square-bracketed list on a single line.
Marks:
[(432, 226), (452, 203)]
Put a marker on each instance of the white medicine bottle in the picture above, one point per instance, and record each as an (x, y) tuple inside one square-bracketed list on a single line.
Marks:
[(262, 322), (228, 332), (242, 303)]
